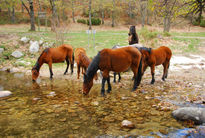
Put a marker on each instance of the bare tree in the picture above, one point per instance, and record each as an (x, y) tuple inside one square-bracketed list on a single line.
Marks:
[(143, 10), (55, 21), (73, 11), (30, 11), (90, 23), (113, 13)]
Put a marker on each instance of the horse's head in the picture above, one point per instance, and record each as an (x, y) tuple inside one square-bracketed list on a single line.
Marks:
[(87, 84), (35, 74)]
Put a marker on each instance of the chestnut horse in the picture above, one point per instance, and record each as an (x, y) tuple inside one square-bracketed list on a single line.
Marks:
[(54, 55), (133, 37), (117, 46), (155, 57), (117, 60), (82, 61)]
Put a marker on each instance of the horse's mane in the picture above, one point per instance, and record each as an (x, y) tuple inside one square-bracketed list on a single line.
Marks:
[(149, 50), (37, 65), (92, 68)]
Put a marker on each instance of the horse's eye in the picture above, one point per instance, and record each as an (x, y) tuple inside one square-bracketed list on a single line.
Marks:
[(129, 34)]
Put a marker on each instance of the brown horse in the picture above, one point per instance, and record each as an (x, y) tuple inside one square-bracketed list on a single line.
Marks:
[(54, 55), (133, 37), (155, 57), (117, 60), (82, 61)]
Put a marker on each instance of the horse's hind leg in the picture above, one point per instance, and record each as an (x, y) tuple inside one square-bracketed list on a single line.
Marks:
[(103, 86), (165, 72), (119, 77), (109, 85), (114, 80), (50, 69), (67, 61), (152, 72)]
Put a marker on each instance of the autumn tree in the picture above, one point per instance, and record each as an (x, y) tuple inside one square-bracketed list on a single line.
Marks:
[(30, 11)]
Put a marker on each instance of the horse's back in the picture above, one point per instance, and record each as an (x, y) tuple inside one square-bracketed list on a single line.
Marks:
[(119, 59)]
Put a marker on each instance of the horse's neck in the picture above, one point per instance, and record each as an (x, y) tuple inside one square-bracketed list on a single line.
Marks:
[(39, 63), (86, 61)]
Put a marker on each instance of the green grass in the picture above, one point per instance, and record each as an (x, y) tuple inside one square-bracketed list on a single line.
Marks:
[(103, 39)]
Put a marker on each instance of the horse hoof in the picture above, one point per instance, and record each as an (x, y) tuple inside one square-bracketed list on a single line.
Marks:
[(152, 82), (108, 91)]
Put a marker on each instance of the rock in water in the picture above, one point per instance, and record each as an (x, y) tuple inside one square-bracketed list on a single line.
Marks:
[(34, 47), (190, 113), (127, 124), (5, 93), (17, 54)]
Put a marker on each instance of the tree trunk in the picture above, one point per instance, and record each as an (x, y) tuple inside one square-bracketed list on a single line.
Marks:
[(129, 11), (22, 8), (13, 15), (102, 13), (143, 11), (9, 12), (55, 21), (113, 14), (73, 12), (90, 23), (39, 5), (167, 23), (32, 18)]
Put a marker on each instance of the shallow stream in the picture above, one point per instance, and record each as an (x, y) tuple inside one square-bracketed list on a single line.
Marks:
[(57, 108)]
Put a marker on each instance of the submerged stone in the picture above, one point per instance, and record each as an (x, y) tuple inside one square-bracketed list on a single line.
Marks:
[(127, 124), (5, 93)]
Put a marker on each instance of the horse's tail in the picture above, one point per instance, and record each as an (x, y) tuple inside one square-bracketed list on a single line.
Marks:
[(139, 74), (93, 67)]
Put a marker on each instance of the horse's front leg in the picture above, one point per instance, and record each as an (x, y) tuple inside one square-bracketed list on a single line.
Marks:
[(152, 72), (109, 85), (119, 77), (114, 80), (50, 69), (78, 70), (67, 61), (103, 86)]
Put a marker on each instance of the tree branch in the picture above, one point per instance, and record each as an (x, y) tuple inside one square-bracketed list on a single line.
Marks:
[(25, 7)]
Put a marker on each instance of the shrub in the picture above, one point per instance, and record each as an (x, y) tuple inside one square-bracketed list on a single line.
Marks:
[(202, 23), (148, 35), (94, 21), (83, 21)]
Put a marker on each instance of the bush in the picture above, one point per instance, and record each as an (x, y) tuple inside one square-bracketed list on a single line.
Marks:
[(202, 23), (148, 35), (83, 21), (94, 21)]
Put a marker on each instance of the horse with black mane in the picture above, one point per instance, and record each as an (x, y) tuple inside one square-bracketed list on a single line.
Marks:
[(117, 60), (154, 57), (54, 55)]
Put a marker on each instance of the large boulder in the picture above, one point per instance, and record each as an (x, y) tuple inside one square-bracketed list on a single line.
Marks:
[(195, 114), (17, 54), (34, 47)]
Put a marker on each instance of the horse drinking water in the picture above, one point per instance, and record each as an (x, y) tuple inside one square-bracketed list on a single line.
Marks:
[(54, 55), (117, 60), (82, 61), (155, 57)]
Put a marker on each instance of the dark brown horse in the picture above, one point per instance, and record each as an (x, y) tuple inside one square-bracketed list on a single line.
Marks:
[(133, 37), (155, 57), (82, 61), (117, 60), (54, 55)]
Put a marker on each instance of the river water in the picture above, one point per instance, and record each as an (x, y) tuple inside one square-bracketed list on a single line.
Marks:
[(57, 108)]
